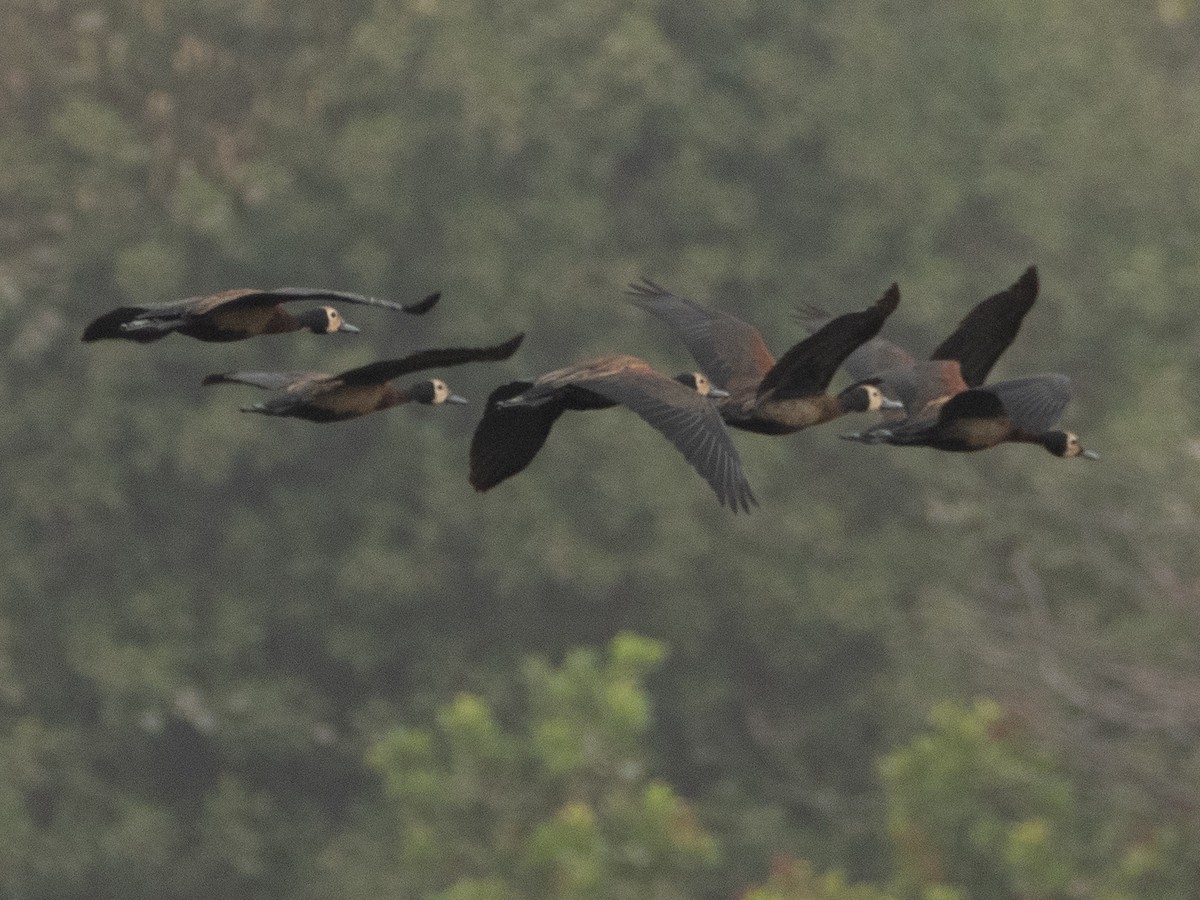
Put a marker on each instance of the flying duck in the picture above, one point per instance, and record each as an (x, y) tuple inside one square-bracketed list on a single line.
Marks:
[(520, 414), (962, 361), (766, 395), (237, 314), (1021, 410), (318, 397)]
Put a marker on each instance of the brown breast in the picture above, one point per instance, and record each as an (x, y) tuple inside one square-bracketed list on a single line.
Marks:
[(983, 433), (360, 400), (782, 416), (252, 319)]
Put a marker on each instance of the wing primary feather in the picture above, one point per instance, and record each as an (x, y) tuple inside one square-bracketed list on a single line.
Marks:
[(989, 328), (386, 370), (286, 294)]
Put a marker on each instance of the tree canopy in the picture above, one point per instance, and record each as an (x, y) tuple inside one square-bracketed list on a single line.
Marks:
[(245, 657)]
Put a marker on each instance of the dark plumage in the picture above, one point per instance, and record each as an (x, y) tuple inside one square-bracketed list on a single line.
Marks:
[(237, 314), (519, 417), (962, 361), (769, 396), (357, 392), (1023, 410)]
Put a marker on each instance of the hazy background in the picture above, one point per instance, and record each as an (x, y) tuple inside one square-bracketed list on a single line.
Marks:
[(243, 657)]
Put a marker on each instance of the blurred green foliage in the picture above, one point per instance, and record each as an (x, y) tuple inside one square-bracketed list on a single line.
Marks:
[(561, 805), (974, 810), (212, 629)]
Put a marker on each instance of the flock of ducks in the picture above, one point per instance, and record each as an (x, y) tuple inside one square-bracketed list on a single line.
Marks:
[(943, 402)]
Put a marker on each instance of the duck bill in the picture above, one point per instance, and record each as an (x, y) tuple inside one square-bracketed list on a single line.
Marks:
[(454, 398), (870, 436), (1090, 454), (717, 393), (348, 328), (887, 403)]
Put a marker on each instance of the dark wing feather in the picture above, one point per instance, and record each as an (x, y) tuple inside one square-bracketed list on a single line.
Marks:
[(807, 368), (689, 421), (868, 360), (875, 356), (423, 305), (977, 403), (236, 298), (386, 370), (1036, 403), (109, 326), (508, 438), (987, 330), (729, 351), (250, 297), (268, 381)]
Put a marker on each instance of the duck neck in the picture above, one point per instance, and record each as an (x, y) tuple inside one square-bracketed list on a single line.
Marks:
[(282, 321), (390, 396), (1045, 439)]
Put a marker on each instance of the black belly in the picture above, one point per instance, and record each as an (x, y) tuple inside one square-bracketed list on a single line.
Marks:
[(581, 399), (321, 414)]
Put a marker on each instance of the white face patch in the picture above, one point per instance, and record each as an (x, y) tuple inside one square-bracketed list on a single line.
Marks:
[(441, 390), (333, 319), (874, 398), (702, 385)]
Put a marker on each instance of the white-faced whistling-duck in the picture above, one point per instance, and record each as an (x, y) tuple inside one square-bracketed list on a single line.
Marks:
[(237, 314), (519, 416), (1022, 410), (962, 361), (356, 392), (768, 396)]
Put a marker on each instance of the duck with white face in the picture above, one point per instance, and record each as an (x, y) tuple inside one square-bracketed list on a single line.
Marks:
[(1021, 410), (318, 397), (433, 392), (700, 383), (866, 398), (1066, 445), (519, 416), (325, 320), (238, 314), (769, 396), (960, 362)]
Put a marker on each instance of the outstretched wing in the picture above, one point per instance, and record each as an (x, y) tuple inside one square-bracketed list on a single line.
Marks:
[(109, 325), (268, 381), (729, 351), (161, 319), (808, 367), (251, 297), (508, 438), (988, 329), (386, 370), (869, 360), (689, 421), (1034, 404)]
